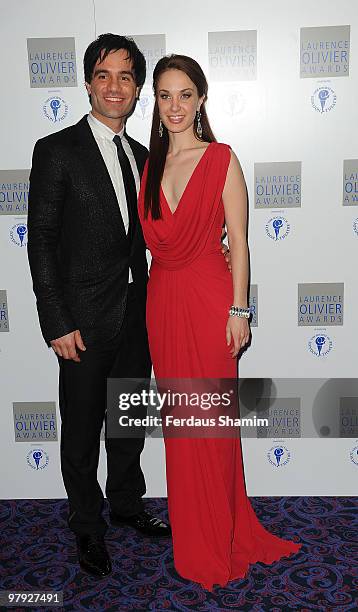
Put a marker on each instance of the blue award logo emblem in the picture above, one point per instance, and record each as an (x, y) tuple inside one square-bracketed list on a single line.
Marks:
[(320, 344), (55, 105), (37, 459), (277, 228), (323, 99), (278, 452), (355, 226), (55, 109), (354, 455), (323, 96), (279, 455), (18, 234), (37, 456), (21, 231)]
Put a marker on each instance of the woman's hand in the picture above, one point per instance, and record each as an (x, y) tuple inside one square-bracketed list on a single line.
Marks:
[(237, 333), (227, 255)]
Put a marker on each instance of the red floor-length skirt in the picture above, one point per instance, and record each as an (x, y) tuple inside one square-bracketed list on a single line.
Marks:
[(216, 534)]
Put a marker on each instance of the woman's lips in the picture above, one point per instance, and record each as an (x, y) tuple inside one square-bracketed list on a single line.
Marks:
[(175, 118)]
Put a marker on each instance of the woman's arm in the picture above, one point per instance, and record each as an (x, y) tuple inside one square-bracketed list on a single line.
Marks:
[(235, 206)]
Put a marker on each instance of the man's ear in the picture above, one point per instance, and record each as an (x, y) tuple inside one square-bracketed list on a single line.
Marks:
[(88, 87)]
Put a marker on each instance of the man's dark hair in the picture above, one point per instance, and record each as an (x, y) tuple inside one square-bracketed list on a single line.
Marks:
[(103, 45)]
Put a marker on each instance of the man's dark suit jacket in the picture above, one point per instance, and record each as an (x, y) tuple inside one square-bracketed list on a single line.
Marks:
[(78, 250)]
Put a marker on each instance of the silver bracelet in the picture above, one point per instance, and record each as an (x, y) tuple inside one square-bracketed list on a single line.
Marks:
[(236, 311)]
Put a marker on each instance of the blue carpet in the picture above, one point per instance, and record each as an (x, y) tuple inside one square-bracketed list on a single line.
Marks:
[(39, 552)]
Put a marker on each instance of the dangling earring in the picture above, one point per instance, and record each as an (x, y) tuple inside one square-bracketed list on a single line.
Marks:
[(199, 129), (160, 130)]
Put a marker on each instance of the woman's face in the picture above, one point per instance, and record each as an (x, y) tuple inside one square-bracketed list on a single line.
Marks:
[(178, 100)]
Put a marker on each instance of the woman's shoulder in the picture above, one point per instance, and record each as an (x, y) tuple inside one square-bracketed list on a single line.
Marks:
[(222, 150), (222, 147)]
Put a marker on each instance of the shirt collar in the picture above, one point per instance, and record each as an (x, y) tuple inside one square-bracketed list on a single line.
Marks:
[(102, 130)]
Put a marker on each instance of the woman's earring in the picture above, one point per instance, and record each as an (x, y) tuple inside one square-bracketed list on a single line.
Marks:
[(199, 129), (160, 130)]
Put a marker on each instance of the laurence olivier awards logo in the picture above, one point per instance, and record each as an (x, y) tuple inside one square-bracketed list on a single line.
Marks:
[(233, 56), (18, 234), (323, 99), (35, 421), (348, 417), (324, 52), (283, 415), (320, 304), (320, 344), (278, 455), (4, 314), (14, 192), (354, 454), (277, 184), (52, 62), (254, 306), (350, 182), (37, 459), (153, 47), (55, 109), (277, 228)]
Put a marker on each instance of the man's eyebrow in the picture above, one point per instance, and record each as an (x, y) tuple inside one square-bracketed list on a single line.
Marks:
[(104, 71)]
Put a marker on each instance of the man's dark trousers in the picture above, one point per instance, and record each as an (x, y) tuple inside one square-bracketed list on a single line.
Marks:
[(82, 407)]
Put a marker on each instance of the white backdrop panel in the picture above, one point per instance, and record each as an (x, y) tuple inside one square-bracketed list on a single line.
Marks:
[(270, 119)]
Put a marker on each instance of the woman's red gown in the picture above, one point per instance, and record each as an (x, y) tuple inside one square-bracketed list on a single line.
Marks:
[(216, 534)]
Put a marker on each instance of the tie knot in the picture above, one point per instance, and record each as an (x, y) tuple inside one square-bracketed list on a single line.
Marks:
[(118, 141)]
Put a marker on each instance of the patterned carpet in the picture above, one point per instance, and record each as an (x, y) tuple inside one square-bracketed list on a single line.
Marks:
[(38, 552)]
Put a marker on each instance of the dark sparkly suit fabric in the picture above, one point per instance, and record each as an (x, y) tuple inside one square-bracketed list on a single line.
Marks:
[(80, 256), (78, 250)]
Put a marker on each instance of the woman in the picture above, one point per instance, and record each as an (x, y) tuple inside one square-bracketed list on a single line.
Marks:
[(190, 185)]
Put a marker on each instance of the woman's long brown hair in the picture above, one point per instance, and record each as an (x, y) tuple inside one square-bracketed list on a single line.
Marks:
[(158, 146)]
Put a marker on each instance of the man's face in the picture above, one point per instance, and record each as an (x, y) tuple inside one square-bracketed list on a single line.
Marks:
[(113, 89)]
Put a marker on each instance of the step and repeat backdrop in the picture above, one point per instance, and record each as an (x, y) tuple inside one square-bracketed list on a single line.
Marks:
[(283, 85)]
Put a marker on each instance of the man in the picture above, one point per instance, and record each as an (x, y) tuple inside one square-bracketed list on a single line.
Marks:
[(89, 270)]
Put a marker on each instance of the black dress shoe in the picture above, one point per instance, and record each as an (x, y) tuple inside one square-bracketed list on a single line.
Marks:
[(93, 555), (144, 522)]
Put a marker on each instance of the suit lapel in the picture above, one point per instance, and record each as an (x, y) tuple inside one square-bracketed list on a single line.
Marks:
[(97, 168), (101, 180)]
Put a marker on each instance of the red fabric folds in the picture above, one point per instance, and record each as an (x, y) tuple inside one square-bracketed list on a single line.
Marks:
[(216, 534)]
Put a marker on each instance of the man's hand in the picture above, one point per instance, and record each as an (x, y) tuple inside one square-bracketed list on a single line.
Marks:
[(225, 251), (67, 345)]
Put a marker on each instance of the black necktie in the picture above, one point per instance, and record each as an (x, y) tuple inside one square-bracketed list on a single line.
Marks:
[(129, 184)]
